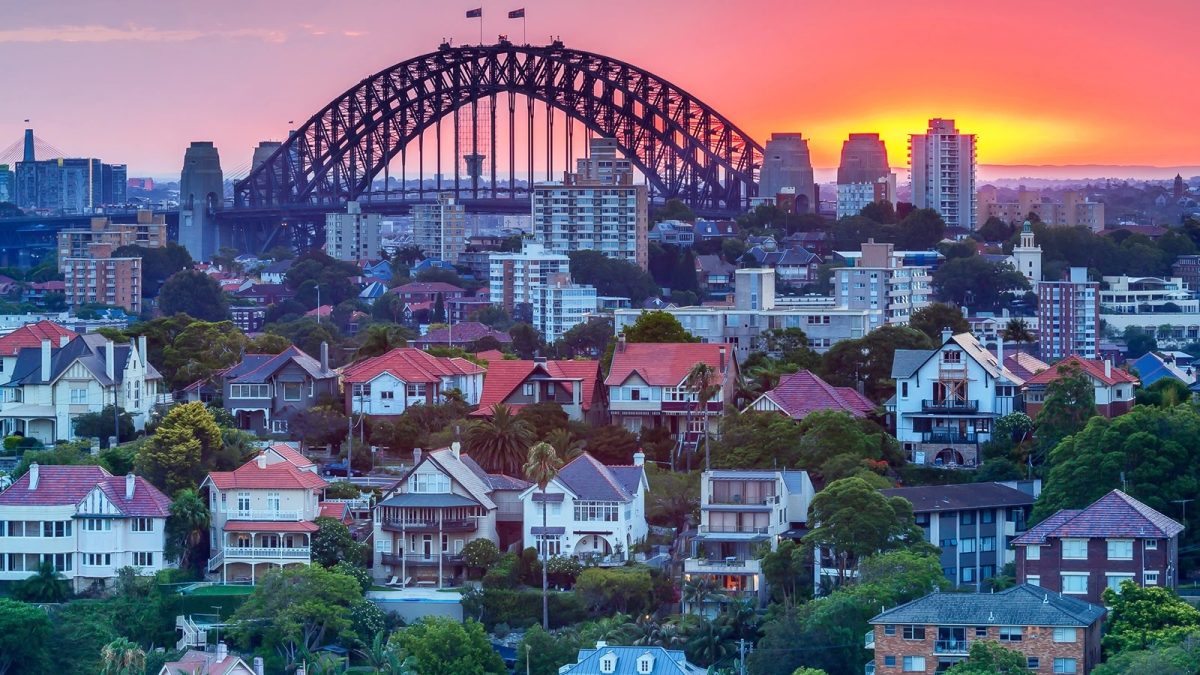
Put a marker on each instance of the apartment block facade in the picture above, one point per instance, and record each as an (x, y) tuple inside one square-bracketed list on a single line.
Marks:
[(512, 275), (881, 282), (578, 214), (439, 229), (1068, 315), (942, 161), (352, 235)]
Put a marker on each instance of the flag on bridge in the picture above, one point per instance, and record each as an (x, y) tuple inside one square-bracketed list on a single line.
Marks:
[(517, 14), (475, 13)]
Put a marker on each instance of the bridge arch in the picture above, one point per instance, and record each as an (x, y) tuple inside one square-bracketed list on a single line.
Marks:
[(685, 149)]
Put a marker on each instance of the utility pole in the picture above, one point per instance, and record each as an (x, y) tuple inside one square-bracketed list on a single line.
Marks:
[(742, 656), (1183, 505)]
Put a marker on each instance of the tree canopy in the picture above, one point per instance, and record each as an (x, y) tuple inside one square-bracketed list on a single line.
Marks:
[(868, 360), (1139, 617), (932, 318), (612, 276), (195, 294), (977, 283), (443, 646)]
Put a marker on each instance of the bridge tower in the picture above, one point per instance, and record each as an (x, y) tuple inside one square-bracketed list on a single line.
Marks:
[(201, 195), (30, 154)]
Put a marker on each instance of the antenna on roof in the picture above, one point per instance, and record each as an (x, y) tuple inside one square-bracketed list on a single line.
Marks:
[(991, 617), (1046, 599)]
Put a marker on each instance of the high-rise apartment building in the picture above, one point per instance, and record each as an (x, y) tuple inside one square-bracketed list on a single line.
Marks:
[(597, 210), (439, 229), (99, 278), (352, 235), (882, 283), (943, 173), (604, 163), (7, 184), (864, 176), (69, 185), (787, 164), (559, 305), (512, 276), (1069, 317)]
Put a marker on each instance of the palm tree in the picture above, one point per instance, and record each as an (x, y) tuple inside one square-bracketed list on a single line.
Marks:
[(46, 586), (541, 468), (122, 657), (380, 339), (708, 643), (699, 590), (1017, 331), (187, 525), (384, 658), (706, 382), (500, 444), (565, 444)]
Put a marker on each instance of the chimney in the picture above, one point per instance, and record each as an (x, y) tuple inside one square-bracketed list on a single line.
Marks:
[(222, 651), (33, 476), (110, 363), (141, 344), (456, 449), (621, 342), (946, 334), (261, 460), (601, 644), (300, 670), (1108, 368), (258, 665), (721, 351), (129, 485), (416, 456), (1000, 350), (639, 458), (45, 360), (63, 340), (324, 356)]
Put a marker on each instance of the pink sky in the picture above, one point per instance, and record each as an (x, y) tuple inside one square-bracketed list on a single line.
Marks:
[(1064, 82)]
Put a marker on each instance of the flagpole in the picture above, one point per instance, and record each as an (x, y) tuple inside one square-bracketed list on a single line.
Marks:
[(481, 28), (523, 38)]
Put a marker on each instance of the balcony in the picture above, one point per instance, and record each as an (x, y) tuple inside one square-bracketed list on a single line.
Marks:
[(869, 640), (950, 405), (722, 566), (950, 437), (869, 668), (420, 559), (951, 647), (732, 529), (458, 525), (259, 553), (268, 515)]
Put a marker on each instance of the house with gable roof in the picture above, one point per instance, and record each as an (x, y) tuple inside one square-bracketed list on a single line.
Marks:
[(1081, 552), (593, 511), (265, 391), (801, 393), (388, 384), (1113, 388), (219, 662), (608, 659), (948, 399), (446, 501), (573, 384), (84, 521)]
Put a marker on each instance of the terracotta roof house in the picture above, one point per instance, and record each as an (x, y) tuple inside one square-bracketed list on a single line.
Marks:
[(31, 335), (575, 385), (1082, 552), (462, 334), (195, 662), (388, 384), (83, 520), (647, 386), (265, 391), (803, 392), (1113, 387)]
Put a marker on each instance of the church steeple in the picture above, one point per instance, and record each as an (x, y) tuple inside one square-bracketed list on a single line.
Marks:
[(1027, 235)]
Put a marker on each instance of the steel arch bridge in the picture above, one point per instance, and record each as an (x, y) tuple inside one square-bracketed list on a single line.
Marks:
[(686, 149)]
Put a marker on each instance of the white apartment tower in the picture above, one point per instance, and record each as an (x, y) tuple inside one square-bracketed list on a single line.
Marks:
[(599, 209), (882, 283), (512, 275), (559, 305), (439, 228), (352, 235), (943, 172)]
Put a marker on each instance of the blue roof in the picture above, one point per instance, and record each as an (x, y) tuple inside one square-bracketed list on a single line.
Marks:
[(666, 661)]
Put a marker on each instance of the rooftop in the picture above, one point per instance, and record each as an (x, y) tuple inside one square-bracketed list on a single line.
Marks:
[(667, 364), (1023, 605), (1116, 514), (936, 498), (803, 392)]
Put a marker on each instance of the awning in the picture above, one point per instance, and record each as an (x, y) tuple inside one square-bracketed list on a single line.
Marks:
[(547, 530), (269, 526)]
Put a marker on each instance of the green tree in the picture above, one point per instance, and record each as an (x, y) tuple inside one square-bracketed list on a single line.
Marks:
[(1142, 616), (1017, 330), (706, 382), (589, 339), (102, 425), (384, 657), (332, 543), (990, 658), (1139, 342), (201, 349), (45, 585), (788, 571), (319, 426), (606, 590), (838, 445), (25, 638), (612, 276), (315, 270), (994, 229), (757, 440), (1069, 403), (187, 527), (934, 317), (543, 418), (881, 212), (612, 444), (674, 209), (296, 609), (920, 230), (673, 498), (443, 646), (480, 553), (526, 341), (977, 283), (122, 657), (183, 449), (1166, 392), (1181, 658), (195, 294), (565, 443), (500, 444), (790, 346), (683, 277), (546, 652), (868, 360), (380, 339), (541, 467)]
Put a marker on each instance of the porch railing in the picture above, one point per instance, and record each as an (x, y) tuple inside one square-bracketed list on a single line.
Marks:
[(238, 552)]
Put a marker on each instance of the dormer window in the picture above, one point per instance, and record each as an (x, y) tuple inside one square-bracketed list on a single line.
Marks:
[(608, 663), (951, 357), (645, 663)]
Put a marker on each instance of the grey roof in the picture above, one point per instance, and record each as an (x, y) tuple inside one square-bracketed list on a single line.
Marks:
[(1023, 605), (496, 481), (937, 498), (907, 361), (713, 264), (429, 500), (259, 368), (744, 474), (87, 349), (279, 266), (666, 661), (592, 481), (1116, 514), (628, 476), (794, 480)]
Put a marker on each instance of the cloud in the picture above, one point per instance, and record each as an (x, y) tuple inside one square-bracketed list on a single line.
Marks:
[(131, 33)]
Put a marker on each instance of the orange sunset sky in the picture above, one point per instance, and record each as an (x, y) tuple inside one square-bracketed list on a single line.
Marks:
[(1060, 82)]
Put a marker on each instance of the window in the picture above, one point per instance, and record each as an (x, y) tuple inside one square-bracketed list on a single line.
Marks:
[(1120, 549), (1064, 634), (1113, 581), (966, 546), (903, 390), (418, 391), (1010, 633), (78, 396), (1151, 579), (293, 391), (362, 390), (1074, 549), (1151, 544), (243, 501), (1074, 583), (273, 502), (527, 390), (889, 629), (987, 544), (1064, 665), (97, 525), (97, 559), (914, 632), (1032, 662), (980, 631), (987, 517), (596, 511), (1033, 552), (387, 395), (915, 664), (645, 663), (889, 661), (967, 518), (549, 541), (143, 525), (143, 559), (968, 575), (1033, 579), (249, 391)]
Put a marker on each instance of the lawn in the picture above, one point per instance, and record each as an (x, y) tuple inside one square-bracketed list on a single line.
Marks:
[(222, 590)]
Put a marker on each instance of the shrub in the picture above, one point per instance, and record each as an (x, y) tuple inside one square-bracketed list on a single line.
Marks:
[(480, 553), (563, 571), (522, 608)]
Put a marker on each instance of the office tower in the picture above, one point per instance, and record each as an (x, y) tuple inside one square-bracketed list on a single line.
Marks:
[(6, 184), (599, 209), (439, 228), (511, 276), (30, 151), (201, 195), (786, 164), (67, 185), (943, 173), (113, 184), (863, 176), (880, 282), (1069, 317), (352, 235), (559, 305)]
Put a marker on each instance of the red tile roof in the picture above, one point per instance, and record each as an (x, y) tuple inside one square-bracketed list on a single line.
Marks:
[(410, 365), (1024, 365), (664, 364), (1092, 367), (504, 376), (1116, 514), (281, 475), (31, 335), (335, 510), (57, 486), (147, 502), (802, 393), (491, 355), (270, 526), (292, 455)]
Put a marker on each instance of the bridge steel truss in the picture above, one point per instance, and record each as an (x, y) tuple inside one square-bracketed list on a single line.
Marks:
[(687, 150)]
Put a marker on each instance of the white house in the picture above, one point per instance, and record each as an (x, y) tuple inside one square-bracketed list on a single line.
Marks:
[(444, 503), (52, 384), (740, 511), (948, 399), (262, 514), (390, 383), (593, 511), (84, 521)]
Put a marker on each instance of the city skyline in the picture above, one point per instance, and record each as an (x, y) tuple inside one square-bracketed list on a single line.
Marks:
[(160, 77)]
